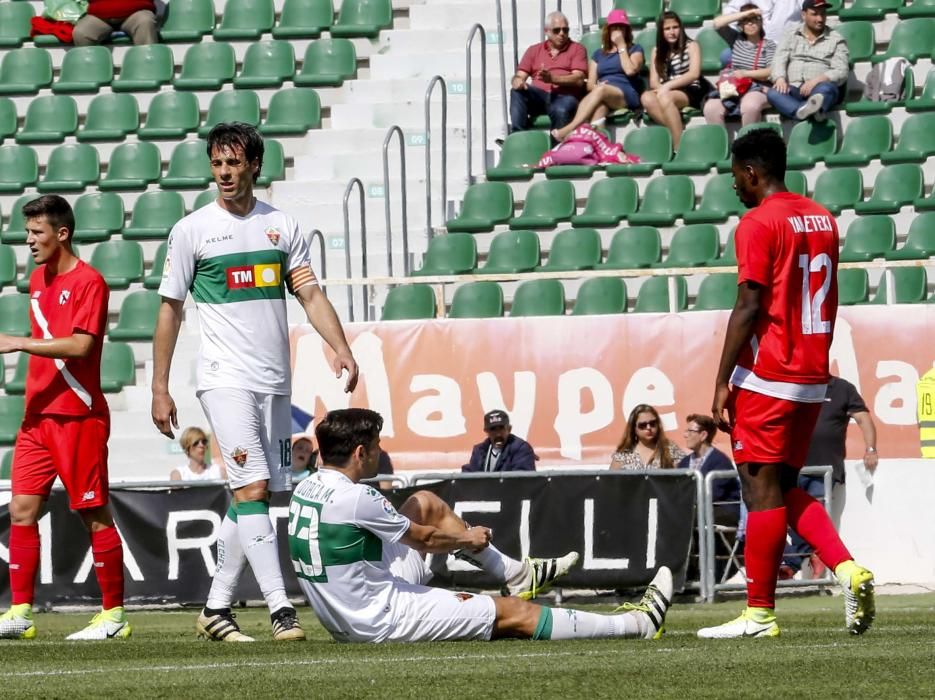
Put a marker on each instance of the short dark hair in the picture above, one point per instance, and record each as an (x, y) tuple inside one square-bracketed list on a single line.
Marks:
[(238, 135), (763, 148), (340, 432), (56, 210), (704, 422)]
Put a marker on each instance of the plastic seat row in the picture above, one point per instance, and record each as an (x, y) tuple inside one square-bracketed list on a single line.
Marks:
[(171, 115), (267, 64), (72, 167), (875, 10), (118, 369)]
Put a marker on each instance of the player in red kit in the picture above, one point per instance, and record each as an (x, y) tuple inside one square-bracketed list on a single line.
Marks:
[(772, 378), (67, 422)]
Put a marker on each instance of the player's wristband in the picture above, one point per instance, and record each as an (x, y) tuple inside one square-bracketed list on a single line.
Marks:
[(872, 450)]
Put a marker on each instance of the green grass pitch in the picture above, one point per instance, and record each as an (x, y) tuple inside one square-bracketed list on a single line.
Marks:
[(813, 658)]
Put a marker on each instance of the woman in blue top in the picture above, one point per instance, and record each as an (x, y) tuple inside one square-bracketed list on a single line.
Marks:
[(612, 75)]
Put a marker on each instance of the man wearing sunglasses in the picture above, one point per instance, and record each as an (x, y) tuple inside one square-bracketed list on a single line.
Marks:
[(558, 67)]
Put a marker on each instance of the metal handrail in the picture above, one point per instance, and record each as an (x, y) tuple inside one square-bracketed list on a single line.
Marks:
[(323, 266), (428, 151), (501, 59), (363, 246), (483, 97), (386, 199), (516, 35)]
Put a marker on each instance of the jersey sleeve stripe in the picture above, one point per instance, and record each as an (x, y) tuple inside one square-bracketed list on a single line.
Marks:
[(300, 277)]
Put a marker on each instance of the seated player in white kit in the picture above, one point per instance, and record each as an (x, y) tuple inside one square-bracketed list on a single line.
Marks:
[(360, 562)]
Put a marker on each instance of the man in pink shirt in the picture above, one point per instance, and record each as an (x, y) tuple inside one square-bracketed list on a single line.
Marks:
[(558, 67)]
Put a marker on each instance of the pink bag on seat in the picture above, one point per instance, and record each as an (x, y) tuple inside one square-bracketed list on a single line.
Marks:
[(586, 146)]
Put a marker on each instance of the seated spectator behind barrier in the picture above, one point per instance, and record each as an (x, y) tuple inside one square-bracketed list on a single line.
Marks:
[(137, 18), (304, 457), (752, 58), (613, 74), (194, 444), (558, 67), (385, 466), (675, 79), (501, 451), (779, 16), (810, 69), (644, 444)]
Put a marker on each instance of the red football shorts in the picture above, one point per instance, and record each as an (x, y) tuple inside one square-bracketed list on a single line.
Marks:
[(768, 430), (73, 448)]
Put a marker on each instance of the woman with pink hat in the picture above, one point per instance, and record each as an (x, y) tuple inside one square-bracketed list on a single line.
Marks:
[(613, 75)]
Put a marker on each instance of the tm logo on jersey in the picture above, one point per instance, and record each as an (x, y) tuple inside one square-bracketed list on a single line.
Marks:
[(247, 276)]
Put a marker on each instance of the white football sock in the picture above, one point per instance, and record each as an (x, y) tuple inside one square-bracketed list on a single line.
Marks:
[(261, 548), (577, 624), (231, 561), (494, 562)]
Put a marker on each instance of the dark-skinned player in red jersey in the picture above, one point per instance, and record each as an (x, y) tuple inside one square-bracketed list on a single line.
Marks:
[(772, 377)]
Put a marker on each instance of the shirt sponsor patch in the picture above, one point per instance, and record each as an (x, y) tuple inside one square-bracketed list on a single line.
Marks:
[(247, 276)]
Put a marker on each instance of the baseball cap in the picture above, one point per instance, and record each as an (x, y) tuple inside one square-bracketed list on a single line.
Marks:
[(618, 17), (816, 5), (494, 419)]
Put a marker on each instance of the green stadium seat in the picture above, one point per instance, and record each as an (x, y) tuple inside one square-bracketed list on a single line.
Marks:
[(154, 215), (839, 189), (853, 287), (538, 298), (911, 39), (918, 8), (14, 315), (477, 300), (909, 283), (15, 231), (98, 216), (17, 383), (866, 138), (665, 200), (653, 145), (547, 203), (145, 68), (639, 12), (205, 198), (110, 118), (154, 278), (6, 464), (609, 201), (920, 241), (187, 20), (22, 284), (485, 205), (592, 42), (718, 202), (12, 410), (85, 69), (511, 252), (49, 119), (15, 24), (409, 302), (632, 248), (896, 186), (7, 270), (873, 10), (292, 112), (451, 254), (232, 106), (25, 71), (266, 65), (796, 182), (188, 167), (653, 296), (859, 38), (137, 319), (868, 238), (19, 168), (712, 45), (71, 168), (601, 296), (810, 142), (647, 39), (717, 291), (8, 118), (520, 153), (694, 12), (327, 63), (865, 106), (925, 203), (206, 67), (694, 245), (926, 101), (274, 164), (171, 115), (245, 20), (574, 249), (119, 262), (118, 367), (579, 171), (304, 19), (728, 253), (363, 18), (916, 141)]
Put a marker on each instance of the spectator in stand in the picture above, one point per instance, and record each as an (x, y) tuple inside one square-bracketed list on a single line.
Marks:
[(194, 444), (613, 74), (644, 444), (558, 67), (779, 16), (675, 79), (136, 18), (304, 457), (501, 451), (752, 58), (385, 466), (810, 68)]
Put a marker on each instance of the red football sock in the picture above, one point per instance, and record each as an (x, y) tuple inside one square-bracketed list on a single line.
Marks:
[(808, 517), (766, 540), (108, 565), (24, 562)]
